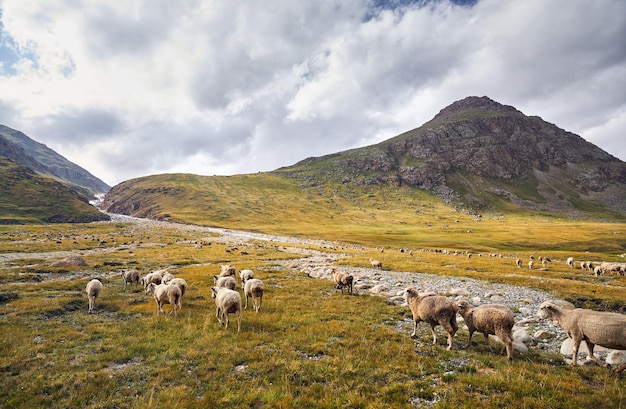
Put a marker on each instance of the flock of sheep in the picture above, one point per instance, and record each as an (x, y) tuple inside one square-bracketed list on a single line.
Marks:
[(597, 268), (167, 289), (606, 329)]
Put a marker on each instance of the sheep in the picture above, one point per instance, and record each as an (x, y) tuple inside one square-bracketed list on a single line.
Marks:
[(343, 279), (433, 309), (93, 290), (254, 288), (182, 285), (518, 263), (227, 270), (227, 302), (570, 262), (167, 277), (165, 294), (226, 282), (531, 263), (376, 264), (130, 276), (489, 320), (245, 275), (153, 277), (607, 329)]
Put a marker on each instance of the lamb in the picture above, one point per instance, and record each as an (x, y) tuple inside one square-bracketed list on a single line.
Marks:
[(607, 329), (254, 288), (130, 276), (182, 285), (570, 262), (433, 309), (165, 294), (245, 275), (227, 270), (226, 282), (94, 288), (489, 320), (376, 264), (343, 279), (227, 302)]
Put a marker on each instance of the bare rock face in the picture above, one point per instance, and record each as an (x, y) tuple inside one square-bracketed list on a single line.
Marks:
[(70, 261), (476, 150)]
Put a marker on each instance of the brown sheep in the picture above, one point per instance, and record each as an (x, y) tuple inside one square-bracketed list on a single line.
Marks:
[(130, 276), (607, 329), (434, 310), (489, 320), (343, 279)]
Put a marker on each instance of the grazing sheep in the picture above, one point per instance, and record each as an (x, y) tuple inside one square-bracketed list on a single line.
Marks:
[(130, 276), (434, 310), (227, 270), (227, 302), (182, 285), (166, 277), (343, 279), (376, 264), (154, 277), (531, 263), (597, 270), (489, 320), (518, 263), (607, 329), (254, 288), (245, 275), (570, 262), (226, 282), (94, 288), (165, 294)]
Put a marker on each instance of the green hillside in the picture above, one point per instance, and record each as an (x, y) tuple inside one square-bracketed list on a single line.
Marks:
[(26, 197)]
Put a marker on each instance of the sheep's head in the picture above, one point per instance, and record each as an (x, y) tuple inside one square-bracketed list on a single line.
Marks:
[(150, 288), (410, 292), (546, 310), (463, 306), (214, 292)]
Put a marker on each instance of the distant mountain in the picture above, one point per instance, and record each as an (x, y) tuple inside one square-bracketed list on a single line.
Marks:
[(484, 155), (19, 148), (476, 156)]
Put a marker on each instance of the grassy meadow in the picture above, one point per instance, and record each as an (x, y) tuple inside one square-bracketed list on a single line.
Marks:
[(309, 346)]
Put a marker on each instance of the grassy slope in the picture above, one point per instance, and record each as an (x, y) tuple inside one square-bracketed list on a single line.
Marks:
[(309, 346), (26, 197)]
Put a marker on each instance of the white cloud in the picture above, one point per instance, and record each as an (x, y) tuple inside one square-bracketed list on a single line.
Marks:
[(132, 88)]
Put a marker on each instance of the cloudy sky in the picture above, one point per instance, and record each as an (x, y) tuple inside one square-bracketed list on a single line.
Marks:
[(218, 87)]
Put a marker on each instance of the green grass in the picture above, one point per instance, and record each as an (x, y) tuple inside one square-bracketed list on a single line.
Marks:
[(309, 346)]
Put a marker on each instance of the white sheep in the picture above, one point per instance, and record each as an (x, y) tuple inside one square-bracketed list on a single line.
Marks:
[(227, 302), (226, 282), (343, 279), (154, 277), (570, 262), (518, 263), (227, 270), (434, 310), (130, 276), (245, 275), (607, 329), (489, 320), (93, 290), (182, 285), (165, 294), (531, 263), (167, 277), (254, 288), (376, 264)]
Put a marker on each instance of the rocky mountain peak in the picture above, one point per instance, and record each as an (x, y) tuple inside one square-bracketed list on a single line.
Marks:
[(474, 105)]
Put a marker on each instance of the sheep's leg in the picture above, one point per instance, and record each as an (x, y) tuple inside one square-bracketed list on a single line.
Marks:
[(226, 319), (590, 347), (217, 315), (246, 306), (260, 302), (488, 342), (469, 339), (432, 330), (238, 320), (575, 352), (451, 329), (414, 334)]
